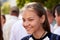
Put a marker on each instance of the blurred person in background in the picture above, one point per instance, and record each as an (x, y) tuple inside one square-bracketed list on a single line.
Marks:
[(57, 18), (17, 30), (51, 19), (1, 33), (36, 23), (14, 13), (3, 20)]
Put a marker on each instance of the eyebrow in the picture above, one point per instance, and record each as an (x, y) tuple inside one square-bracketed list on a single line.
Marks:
[(29, 17)]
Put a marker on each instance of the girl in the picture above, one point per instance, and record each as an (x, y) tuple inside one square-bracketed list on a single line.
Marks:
[(36, 23)]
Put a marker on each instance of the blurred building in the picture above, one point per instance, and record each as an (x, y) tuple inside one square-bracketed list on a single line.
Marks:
[(12, 3), (2, 1)]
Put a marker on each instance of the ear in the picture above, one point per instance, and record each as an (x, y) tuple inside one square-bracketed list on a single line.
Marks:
[(42, 18)]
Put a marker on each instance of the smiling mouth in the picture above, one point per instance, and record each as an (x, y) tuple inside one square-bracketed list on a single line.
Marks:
[(28, 29)]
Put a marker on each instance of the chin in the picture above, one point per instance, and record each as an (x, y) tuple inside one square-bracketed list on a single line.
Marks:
[(29, 32)]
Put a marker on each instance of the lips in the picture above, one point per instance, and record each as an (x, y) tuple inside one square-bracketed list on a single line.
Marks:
[(28, 28)]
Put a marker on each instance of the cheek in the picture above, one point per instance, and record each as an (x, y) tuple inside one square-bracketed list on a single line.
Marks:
[(35, 25)]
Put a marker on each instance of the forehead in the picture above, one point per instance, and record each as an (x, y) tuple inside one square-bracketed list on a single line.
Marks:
[(29, 13)]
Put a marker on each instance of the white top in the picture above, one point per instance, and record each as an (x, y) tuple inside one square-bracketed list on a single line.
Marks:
[(7, 27), (56, 29), (18, 31), (43, 39), (51, 28)]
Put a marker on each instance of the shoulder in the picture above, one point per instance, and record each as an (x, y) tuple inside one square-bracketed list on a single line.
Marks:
[(26, 37), (54, 37)]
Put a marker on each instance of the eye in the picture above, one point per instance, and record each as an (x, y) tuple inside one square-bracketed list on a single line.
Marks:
[(30, 19)]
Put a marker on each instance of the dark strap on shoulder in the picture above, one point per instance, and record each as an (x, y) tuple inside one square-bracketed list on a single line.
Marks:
[(55, 37), (26, 38)]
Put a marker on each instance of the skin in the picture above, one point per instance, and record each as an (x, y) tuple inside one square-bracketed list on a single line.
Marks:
[(57, 18), (33, 23), (2, 21)]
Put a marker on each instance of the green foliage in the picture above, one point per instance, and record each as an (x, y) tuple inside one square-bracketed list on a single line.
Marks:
[(20, 3), (5, 8), (48, 3), (51, 3)]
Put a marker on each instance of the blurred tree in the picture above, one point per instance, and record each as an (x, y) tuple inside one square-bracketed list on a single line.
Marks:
[(51, 3), (5, 8), (48, 3), (40, 1), (20, 3)]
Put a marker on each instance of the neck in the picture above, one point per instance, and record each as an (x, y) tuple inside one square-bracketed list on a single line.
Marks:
[(39, 33)]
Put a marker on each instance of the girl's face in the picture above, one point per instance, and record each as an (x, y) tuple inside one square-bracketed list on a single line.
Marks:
[(31, 21)]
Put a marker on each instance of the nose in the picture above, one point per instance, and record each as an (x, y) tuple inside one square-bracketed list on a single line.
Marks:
[(26, 24)]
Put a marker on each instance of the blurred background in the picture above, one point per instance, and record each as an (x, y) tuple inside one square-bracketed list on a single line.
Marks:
[(6, 4)]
